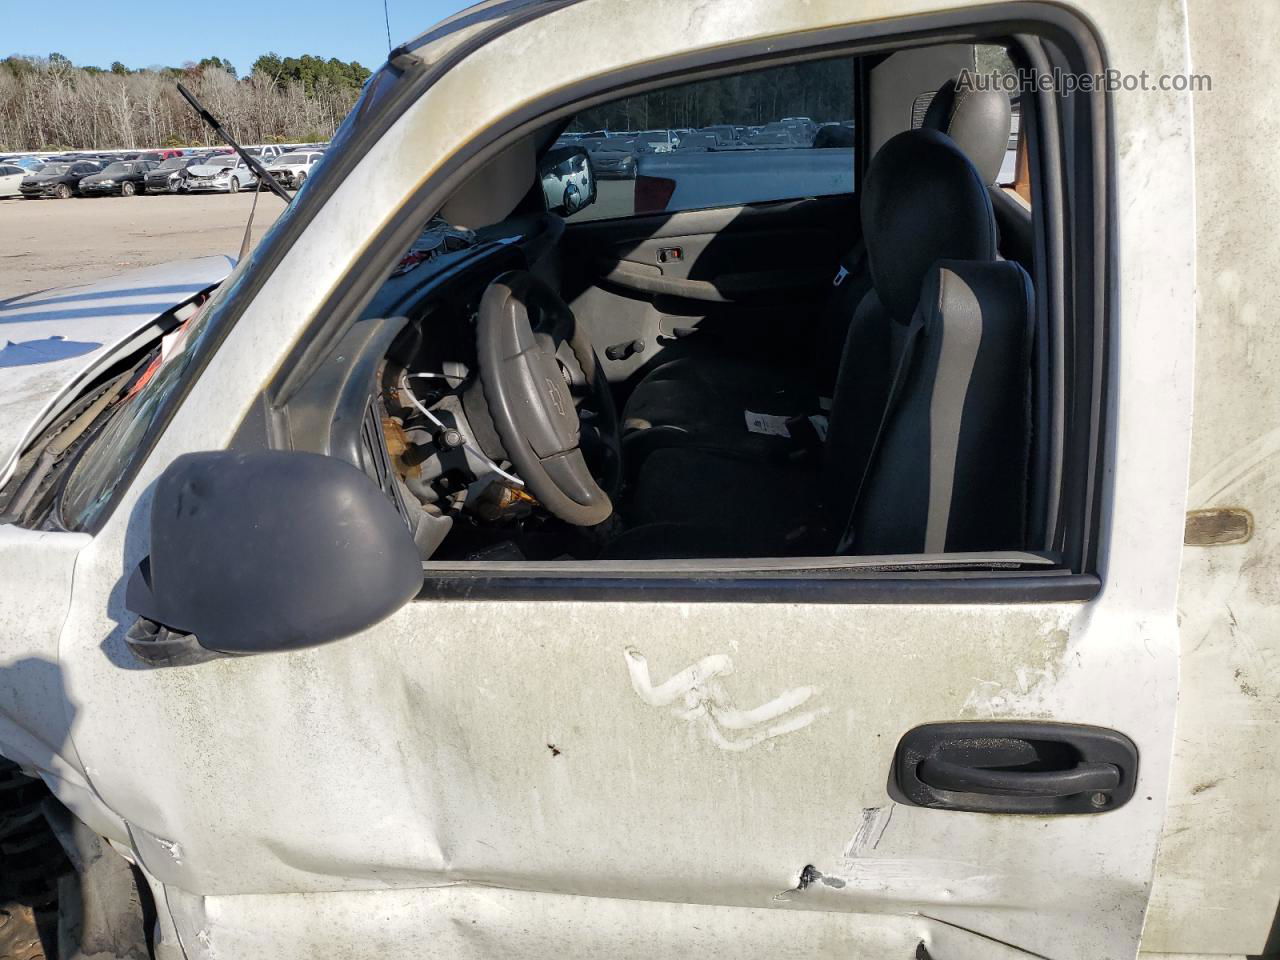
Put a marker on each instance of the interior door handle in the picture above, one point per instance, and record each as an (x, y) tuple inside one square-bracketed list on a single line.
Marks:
[(1014, 766), (960, 778)]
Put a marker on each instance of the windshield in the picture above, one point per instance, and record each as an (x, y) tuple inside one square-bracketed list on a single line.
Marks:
[(294, 158), (109, 458), (173, 163), (119, 168), (56, 169), (94, 477)]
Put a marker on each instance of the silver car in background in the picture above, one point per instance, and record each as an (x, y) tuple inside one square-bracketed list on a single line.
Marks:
[(292, 169), (224, 173)]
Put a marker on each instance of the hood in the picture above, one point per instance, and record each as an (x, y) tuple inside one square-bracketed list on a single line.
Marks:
[(52, 342), (206, 169), (49, 177)]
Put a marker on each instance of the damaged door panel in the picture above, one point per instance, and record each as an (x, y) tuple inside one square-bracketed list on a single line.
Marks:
[(475, 922)]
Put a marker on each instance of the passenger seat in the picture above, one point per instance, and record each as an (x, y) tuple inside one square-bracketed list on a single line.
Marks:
[(706, 400)]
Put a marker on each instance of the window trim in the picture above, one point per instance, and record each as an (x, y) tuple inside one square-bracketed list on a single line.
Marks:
[(907, 587), (1072, 578)]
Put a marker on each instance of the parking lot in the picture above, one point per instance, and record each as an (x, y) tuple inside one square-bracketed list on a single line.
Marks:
[(51, 243)]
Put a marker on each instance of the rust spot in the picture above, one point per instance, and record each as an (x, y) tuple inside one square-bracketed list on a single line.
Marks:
[(555, 751), (1218, 527), (393, 430)]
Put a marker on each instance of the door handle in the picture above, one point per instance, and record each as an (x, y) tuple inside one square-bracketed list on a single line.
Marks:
[(959, 778), (1014, 766)]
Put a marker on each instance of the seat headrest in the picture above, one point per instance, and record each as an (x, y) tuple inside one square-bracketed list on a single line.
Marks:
[(922, 202), (977, 120)]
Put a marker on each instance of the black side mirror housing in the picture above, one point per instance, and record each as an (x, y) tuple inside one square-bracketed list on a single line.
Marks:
[(568, 180), (269, 551)]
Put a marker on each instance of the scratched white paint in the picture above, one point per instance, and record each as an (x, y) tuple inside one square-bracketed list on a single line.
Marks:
[(394, 792), (696, 695), (875, 820), (1219, 869), (479, 923)]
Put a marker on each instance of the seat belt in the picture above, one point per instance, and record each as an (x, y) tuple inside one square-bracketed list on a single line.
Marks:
[(853, 261), (900, 372)]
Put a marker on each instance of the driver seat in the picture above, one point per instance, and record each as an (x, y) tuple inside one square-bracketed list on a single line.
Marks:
[(702, 398), (929, 437)]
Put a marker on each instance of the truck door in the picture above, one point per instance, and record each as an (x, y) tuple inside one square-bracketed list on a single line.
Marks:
[(931, 757)]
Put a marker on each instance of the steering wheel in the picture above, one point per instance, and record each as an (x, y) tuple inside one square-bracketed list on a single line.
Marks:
[(548, 398)]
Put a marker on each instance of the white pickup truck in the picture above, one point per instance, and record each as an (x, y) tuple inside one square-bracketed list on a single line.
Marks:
[(393, 598)]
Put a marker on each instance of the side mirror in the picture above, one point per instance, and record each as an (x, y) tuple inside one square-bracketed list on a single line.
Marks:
[(568, 180), (266, 551)]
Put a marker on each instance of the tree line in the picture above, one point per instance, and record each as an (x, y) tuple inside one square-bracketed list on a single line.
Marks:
[(821, 90), (48, 103)]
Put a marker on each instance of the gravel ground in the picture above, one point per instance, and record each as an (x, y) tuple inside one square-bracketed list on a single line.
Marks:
[(56, 243)]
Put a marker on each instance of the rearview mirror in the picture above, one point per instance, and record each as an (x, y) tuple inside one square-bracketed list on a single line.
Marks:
[(568, 181), (266, 551)]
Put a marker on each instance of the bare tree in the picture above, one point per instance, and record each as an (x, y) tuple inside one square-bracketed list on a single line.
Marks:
[(49, 104)]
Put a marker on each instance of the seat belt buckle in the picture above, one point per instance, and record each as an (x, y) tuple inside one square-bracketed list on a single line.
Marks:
[(808, 432), (840, 275)]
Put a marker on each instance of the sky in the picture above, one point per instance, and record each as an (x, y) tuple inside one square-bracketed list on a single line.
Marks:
[(91, 32)]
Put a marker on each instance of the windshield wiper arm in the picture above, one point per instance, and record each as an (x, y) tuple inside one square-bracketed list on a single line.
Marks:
[(251, 161)]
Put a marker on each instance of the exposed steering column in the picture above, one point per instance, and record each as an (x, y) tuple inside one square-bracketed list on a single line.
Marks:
[(528, 346)]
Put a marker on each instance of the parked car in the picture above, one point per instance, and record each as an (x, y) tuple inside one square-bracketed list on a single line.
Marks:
[(833, 135), (267, 152), (612, 158), (11, 177), (26, 161), (787, 133), (225, 173), (61, 179), (656, 141), (167, 176), (696, 141), (725, 133), (292, 169), (124, 177)]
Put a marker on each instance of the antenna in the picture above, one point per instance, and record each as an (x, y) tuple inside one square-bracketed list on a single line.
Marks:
[(387, 17)]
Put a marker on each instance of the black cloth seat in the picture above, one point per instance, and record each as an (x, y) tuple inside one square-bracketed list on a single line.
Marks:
[(702, 399), (930, 426), (703, 403)]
